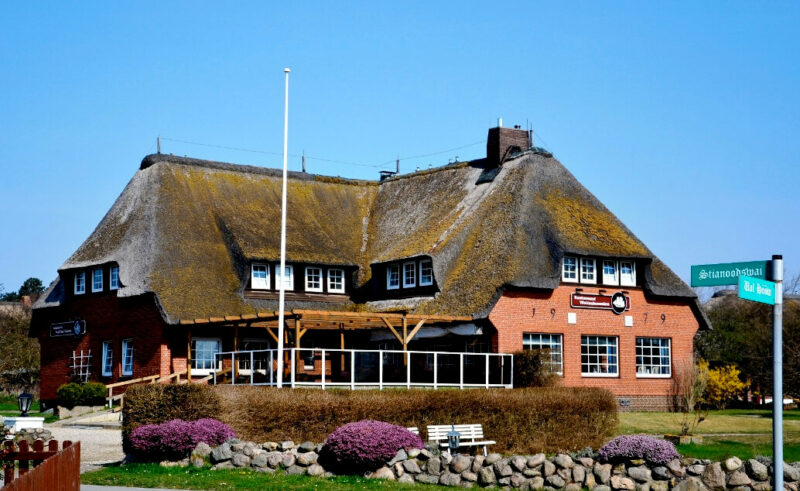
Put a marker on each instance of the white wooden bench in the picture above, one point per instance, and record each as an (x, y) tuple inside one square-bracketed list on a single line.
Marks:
[(471, 435), (414, 430)]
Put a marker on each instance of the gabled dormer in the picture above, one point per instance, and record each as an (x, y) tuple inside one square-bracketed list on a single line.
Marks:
[(410, 277)]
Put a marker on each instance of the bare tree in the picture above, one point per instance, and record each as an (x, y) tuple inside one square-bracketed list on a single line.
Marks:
[(688, 386)]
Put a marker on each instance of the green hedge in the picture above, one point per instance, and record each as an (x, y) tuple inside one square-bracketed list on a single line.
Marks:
[(522, 421), (88, 394), (159, 403)]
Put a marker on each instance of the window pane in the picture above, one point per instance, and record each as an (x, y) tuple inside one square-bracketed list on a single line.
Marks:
[(599, 355), (587, 271), (260, 277), (314, 279), (393, 276), (426, 272), (610, 273), (336, 281), (570, 269), (80, 282), (108, 358), (550, 342), (627, 273), (113, 281), (97, 280), (203, 351), (409, 275), (127, 357), (653, 357), (288, 277)]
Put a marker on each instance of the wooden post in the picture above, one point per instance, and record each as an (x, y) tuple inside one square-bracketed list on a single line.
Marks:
[(235, 367), (188, 356), (405, 340), (341, 344), (297, 342)]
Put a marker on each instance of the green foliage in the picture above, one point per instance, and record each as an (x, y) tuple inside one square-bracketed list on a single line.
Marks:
[(520, 420), (159, 403), (31, 286), (19, 352), (93, 394), (69, 395), (531, 369)]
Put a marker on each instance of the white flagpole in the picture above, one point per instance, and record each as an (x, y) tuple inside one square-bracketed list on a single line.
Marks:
[(282, 275)]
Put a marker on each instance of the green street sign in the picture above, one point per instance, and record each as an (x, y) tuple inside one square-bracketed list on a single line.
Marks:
[(727, 273), (757, 290)]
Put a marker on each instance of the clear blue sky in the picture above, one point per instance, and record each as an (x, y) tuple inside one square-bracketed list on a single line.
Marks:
[(682, 118)]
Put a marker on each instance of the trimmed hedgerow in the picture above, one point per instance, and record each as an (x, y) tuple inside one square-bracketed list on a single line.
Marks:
[(93, 394), (365, 445), (176, 439), (522, 421), (159, 403), (645, 447)]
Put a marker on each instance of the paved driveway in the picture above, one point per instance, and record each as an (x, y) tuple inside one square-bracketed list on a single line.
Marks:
[(98, 446)]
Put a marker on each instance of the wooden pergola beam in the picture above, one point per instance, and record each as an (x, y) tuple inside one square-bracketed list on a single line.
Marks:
[(414, 331), (394, 331)]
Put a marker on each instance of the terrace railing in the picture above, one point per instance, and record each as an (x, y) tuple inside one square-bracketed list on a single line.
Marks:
[(352, 368)]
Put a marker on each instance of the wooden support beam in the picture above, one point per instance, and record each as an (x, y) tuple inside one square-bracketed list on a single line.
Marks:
[(235, 348), (405, 340), (301, 333), (415, 330), (189, 355), (269, 330), (391, 328)]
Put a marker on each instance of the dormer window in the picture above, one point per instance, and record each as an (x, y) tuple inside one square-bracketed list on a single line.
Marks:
[(627, 270), (425, 272), (610, 272), (97, 280), (287, 277), (113, 278), (335, 281), (588, 273), (313, 279), (393, 277), (409, 275), (569, 269), (259, 277), (80, 283)]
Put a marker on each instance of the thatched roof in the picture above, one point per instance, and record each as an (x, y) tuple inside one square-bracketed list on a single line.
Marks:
[(187, 230)]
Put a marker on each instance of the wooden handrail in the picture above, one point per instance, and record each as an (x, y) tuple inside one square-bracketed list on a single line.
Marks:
[(132, 381)]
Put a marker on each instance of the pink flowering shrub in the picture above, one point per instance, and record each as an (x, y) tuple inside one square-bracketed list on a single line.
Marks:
[(644, 447), (366, 445), (176, 439)]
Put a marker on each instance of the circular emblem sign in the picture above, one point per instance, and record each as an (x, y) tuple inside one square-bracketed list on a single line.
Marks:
[(618, 303)]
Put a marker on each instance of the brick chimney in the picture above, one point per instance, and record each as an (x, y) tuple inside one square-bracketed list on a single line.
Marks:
[(502, 142)]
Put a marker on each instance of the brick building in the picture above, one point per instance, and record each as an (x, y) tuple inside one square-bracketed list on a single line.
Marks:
[(499, 254)]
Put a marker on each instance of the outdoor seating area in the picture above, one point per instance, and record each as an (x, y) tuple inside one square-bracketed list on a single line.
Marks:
[(469, 435)]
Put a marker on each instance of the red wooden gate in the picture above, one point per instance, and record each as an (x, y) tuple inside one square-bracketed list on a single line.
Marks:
[(53, 470)]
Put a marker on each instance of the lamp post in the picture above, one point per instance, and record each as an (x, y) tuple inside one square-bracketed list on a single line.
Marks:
[(24, 400), (453, 439)]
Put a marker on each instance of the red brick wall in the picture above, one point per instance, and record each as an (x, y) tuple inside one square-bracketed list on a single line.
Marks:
[(521, 312), (108, 318)]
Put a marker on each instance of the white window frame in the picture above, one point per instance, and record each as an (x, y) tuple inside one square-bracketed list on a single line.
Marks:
[(127, 369), (643, 369), (259, 283), (631, 281), (95, 286), (331, 280), (392, 268), (288, 282), (205, 371), (411, 267), (609, 373), (613, 279), (310, 288), (570, 276), (423, 265), (586, 261), (107, 369), (554, 342), (80, 283), (113, 278)]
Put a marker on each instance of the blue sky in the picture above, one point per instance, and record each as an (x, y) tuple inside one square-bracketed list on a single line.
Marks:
[(681, 117)]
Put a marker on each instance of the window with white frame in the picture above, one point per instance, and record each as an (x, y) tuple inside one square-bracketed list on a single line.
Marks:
[(599, 356), (97, 280), (80, 283), (569, 269), (335, 281), (204, 359), (113, 278), (610, 272), (127, 357), (409, 275), (259, 277), (653, 358), (588, 272), (425, 272), (287, 277), (260, 356), (313, 279), (393, 277), (108, 359), (550, 342), (627, 273)]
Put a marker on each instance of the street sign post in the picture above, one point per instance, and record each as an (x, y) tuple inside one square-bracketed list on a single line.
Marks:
[(757, 290), (727, 273)]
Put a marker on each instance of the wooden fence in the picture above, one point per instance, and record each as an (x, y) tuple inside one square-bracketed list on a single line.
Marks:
[(52, 470)]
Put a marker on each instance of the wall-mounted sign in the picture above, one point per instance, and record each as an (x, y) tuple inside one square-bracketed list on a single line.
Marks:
[(69, 328), (617, 303)]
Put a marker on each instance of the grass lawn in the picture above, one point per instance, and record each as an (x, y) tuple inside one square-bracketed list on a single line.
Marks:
[(10, 407), (744, 433), (155, 476)]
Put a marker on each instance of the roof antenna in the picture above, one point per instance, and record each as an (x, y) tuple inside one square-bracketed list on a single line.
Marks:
[(398, 164), (158, 143), (304, 160)]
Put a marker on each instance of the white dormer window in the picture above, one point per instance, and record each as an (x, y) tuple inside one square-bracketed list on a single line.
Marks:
[(610, 272), (259, 277), (335, 281), (287, 277), (97, 280), (569, 269), (627, 276), (313, 279), (409, 275), (80, 283), (113, 278), (588, 272), (393, 277), (425, 272)]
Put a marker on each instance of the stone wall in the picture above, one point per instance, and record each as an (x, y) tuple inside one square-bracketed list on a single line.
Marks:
[(520, 472)]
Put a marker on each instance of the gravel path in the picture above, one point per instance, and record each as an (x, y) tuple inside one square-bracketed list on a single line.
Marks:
[(98, 446)]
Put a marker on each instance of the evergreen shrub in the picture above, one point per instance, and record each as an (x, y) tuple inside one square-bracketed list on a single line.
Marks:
[(69, 395), (175, 440), (366, 445), (626, 447)]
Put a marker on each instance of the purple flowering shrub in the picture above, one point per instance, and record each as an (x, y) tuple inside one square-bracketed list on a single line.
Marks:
[(366, 445), (176, 439), (644, 447)]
